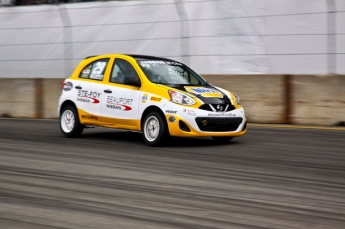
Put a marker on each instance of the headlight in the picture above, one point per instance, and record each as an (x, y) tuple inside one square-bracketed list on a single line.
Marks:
[(180, 98), (237, 98)]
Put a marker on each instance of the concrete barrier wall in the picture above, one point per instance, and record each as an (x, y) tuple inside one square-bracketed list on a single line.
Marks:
[(18, 98), (318, 100), (51, 91), (292, 99), (261, 96)]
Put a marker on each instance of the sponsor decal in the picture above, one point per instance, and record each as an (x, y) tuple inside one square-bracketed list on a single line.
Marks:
[(67, 86), (87, 100), (155, 99), (88, 96), (97, 70), (170, 112), (189, 112), (173, 63), (221, 115), (96, 77), (119, 103), (119, 100), (89, 117), (86, 71), (205, 92), (148, 63), (144, 98), (171, 119), (120, 107)]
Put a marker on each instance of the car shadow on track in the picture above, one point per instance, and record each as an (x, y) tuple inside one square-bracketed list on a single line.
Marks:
[(135, 138)]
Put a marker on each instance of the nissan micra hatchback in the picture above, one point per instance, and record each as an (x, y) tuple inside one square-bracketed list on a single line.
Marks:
[(153, 95)]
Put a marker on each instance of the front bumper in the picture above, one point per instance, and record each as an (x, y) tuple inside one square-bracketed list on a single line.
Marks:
[(200, 123)]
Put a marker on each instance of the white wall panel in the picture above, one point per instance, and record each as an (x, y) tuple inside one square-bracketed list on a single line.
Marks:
[(32, 52), (340, 42), (297, 24), (275, 7), (340, 5), (219, 64), (125, 32), (33, 68), (31, 36), (121, 12), (229, 36), (30, 17), (297, 44), (297, 64), (340, 61), (169, 47), (223, 46), (340, 22)]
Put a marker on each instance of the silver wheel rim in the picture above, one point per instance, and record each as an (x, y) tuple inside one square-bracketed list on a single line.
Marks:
[(151, 128), (67, 121)]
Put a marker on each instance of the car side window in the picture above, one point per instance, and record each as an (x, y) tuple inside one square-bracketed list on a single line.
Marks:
[(95, 70), (122, 69)]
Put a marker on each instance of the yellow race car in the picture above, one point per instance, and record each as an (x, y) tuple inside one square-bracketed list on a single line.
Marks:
[(156, 96)]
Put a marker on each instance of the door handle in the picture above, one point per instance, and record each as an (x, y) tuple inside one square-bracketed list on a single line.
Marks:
[(78, 87), (108, 91)]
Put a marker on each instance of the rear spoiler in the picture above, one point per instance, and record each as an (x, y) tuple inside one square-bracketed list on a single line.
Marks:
[(89, 57)]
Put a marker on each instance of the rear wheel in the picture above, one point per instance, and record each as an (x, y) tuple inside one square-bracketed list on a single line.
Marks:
[(222, 139), (155, 130), (69, 122)]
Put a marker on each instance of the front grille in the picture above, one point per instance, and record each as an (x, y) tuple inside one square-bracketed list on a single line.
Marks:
[(218, 124), (214, 107)]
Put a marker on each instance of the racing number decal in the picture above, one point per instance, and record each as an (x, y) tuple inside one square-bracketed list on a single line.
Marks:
[(99, 68)]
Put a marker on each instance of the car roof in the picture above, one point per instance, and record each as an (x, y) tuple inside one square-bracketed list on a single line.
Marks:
[(148, 57), (137, 56)]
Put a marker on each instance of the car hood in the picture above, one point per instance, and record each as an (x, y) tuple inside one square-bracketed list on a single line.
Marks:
[(207, 94)]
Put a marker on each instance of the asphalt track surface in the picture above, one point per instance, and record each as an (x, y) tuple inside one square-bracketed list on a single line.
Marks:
[(270, 178)]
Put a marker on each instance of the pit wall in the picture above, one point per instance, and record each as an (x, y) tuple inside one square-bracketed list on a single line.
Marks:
[(289, 99)]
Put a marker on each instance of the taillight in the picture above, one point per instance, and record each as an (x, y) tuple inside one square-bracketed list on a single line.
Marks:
[(63, 83)]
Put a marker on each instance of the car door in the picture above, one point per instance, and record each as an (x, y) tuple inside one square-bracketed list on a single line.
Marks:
[(89, 89), (120, 101)]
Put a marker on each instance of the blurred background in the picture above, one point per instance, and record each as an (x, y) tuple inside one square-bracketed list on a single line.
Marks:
[(284, 58), (247, 46), (48, 38)]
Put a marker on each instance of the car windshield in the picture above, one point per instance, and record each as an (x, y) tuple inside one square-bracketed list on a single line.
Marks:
[(170, 72)]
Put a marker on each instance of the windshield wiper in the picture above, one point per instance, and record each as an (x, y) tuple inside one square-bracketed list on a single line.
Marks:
[(183, 84), (159, 82)]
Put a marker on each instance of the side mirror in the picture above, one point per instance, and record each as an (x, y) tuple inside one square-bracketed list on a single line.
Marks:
[(133, 81)]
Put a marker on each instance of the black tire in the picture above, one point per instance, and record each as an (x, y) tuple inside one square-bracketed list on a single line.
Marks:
[(222, 140), (69, 127), (156, 134)]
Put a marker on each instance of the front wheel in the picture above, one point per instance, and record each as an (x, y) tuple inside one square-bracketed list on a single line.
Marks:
[(222, 139), (69, 122), (154, 129)]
